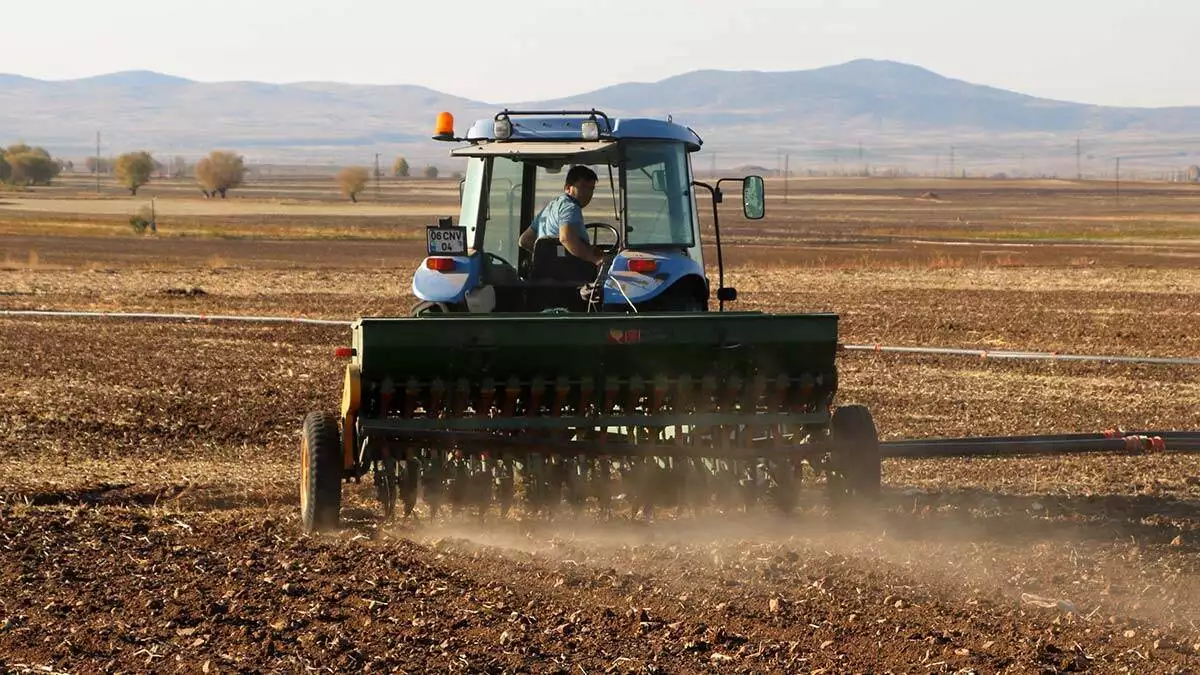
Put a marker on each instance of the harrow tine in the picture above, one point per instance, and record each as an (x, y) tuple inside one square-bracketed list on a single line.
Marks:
[(431, 481), (664, 467), (640, 474), (602, 469), (409, 481), (505, 484)]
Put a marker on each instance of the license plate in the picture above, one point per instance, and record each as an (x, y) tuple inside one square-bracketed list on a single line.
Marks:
[(446, 240)]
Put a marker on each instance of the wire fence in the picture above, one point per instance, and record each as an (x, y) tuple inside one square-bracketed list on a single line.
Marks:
[(172, 317), (877, 348)]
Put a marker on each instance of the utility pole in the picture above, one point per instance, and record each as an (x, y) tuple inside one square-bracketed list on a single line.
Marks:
[(952, 161), (377, 174), (1078, 169), (97, 172), (1118, 181), (860, 159), (786, 172)]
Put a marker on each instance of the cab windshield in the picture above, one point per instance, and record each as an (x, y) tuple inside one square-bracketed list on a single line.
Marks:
[(654, 200)]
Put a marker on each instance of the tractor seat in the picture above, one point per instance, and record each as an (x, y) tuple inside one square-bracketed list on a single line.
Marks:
[(551, 262)]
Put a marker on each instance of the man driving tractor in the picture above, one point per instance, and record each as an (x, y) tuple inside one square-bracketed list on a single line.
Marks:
[(562, 217)]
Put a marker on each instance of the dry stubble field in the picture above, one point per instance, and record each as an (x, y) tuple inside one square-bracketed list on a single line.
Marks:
[(148, 471)]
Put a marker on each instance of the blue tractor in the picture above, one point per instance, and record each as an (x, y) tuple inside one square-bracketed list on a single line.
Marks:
[(634, 390), (643, 217)]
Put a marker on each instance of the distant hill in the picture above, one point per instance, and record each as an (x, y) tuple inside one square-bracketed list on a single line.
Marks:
[(901, 114), (868, 95)]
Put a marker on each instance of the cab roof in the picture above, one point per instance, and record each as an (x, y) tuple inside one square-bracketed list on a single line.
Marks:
[(531, 128)]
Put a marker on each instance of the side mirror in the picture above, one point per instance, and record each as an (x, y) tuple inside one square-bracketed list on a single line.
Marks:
[(658, 180), (727, 294), (754, 204)]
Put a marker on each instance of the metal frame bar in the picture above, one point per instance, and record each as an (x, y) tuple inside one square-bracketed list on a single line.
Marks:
[(476, 443), (397, 426)]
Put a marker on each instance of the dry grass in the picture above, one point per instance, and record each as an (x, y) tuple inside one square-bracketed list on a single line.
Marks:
[(849, 209), (168, 208)]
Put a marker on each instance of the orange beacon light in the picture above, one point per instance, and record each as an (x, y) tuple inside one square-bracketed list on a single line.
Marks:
[(444, 131)]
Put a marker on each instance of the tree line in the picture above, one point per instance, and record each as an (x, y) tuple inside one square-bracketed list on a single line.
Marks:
[(353, 179), (216, 173)]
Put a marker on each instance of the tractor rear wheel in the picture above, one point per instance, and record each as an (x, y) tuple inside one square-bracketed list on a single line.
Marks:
[(854, 454), (426, 308), (320, 473)]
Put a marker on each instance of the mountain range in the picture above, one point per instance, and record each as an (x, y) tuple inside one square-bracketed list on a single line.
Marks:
[(866, 112)]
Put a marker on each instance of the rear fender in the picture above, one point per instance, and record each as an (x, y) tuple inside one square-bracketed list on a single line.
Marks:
[(641, 287), (452, 286)]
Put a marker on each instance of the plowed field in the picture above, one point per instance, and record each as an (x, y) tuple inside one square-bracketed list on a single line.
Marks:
[(148, 480)]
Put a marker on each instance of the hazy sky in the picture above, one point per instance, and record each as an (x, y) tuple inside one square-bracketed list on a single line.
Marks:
[(1116, 52)]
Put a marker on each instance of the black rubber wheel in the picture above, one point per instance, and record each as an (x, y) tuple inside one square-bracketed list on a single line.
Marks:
[(320, 473), (426, 308), (854, 454)]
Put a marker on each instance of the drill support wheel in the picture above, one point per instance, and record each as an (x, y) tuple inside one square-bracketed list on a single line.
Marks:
[(857, 470), (320, 473)]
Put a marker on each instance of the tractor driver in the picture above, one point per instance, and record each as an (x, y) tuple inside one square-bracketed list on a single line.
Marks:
[(562, 217)]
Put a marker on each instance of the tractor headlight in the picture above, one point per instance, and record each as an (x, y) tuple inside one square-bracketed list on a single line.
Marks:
[(590, 130), (502, 127)]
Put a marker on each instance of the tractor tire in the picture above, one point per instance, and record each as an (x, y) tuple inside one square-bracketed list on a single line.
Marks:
[(426, 308), (854, 455), (320, 473)]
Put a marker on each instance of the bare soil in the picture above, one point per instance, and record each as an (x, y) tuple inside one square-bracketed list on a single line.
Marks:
[(148, 475)]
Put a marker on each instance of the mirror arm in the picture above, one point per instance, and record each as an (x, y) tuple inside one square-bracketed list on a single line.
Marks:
[(716, 195)]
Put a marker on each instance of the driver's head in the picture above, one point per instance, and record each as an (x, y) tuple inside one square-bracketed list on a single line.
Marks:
[(580, 184)]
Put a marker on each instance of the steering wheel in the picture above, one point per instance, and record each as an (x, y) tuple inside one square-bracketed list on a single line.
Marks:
[(500, 271), (493, 255), (608, 248)]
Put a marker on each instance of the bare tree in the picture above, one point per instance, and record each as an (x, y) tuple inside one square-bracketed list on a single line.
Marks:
[(220, 171), (1193, 173), (134, 170), (352, 180), (5, 169), (430, 172)]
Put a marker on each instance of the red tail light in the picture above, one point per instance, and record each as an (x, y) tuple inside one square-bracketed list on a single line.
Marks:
[(343, 352), (643, 266), (440, 264)]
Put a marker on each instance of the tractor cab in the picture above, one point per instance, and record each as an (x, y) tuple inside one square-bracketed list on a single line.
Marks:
[(642, 216)]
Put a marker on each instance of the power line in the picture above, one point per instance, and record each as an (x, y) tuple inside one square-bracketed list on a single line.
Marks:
[(982, 354), (1079, 172), (786, 172), (1118, 181)]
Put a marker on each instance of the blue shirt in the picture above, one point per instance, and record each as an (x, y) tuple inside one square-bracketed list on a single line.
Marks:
[(562, 210)]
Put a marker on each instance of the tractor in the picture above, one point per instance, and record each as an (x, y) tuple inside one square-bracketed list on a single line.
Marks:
[(532, 378)]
